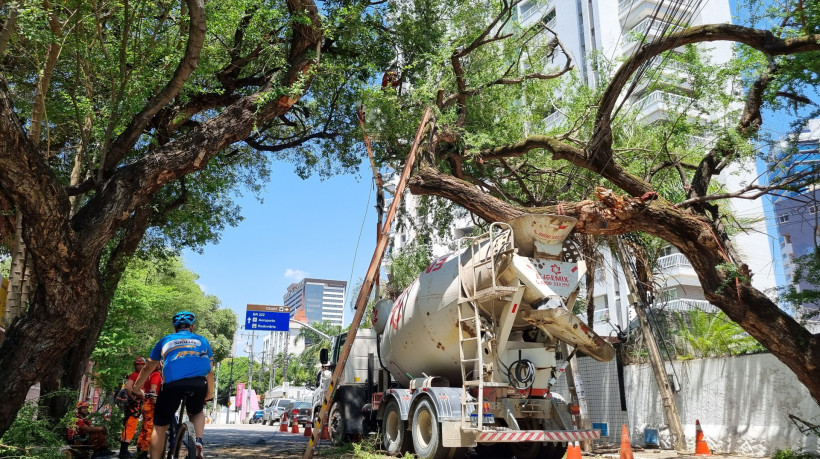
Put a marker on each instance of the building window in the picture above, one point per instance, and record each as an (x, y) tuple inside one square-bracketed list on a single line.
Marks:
[(813, 209), (788, 238), (784, 218), (666, 251)]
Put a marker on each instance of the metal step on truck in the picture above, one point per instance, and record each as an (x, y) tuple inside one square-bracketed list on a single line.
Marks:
[(466, 355)]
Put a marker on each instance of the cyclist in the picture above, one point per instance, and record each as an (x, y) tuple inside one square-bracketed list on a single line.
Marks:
[(187, 366), (133, 408)]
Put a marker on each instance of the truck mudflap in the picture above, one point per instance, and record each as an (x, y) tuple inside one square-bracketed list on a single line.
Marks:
[(447, 401), (402, 396), (509, 436)]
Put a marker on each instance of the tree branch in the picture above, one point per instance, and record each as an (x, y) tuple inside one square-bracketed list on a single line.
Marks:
[(761, 40), (189, 63)]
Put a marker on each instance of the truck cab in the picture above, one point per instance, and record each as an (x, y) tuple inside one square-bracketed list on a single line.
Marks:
[(349, 414)]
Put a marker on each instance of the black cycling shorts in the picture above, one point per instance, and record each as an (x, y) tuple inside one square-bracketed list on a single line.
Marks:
[(171, 395)]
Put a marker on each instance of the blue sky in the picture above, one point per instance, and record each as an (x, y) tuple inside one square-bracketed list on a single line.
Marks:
[(304, 228)]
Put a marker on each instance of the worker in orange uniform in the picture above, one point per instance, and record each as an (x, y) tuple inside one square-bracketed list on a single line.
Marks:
[(133, 409), (151, 388)]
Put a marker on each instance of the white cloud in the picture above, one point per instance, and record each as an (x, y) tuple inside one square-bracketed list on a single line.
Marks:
[(295, 274)]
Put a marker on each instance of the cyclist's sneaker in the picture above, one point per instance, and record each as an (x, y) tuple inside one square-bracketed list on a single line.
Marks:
[(199, 449)]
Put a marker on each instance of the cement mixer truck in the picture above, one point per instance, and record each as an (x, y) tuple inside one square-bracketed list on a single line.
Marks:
[(466, 356)]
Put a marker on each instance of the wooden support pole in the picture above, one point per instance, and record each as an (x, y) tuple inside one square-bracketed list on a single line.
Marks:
[(655, 361)]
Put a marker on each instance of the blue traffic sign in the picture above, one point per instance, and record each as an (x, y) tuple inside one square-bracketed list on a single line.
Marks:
[(267, 320)]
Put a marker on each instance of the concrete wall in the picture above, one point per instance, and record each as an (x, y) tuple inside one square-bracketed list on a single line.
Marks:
[(742, 403)]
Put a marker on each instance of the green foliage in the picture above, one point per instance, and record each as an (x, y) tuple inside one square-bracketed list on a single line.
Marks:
[(805, 299), (789, 453), (34, 434), (710, 335), (235, 370), (406, 265), (315, 342), (149, 294)]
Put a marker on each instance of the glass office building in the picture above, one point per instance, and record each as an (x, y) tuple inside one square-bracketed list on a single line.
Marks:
[(317, 300)]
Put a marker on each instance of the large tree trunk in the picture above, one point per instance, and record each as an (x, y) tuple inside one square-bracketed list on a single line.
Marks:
[(68, 373), (39, 341)]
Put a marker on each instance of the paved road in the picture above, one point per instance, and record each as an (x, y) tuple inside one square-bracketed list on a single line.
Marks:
[(230, 441), (244, 441)]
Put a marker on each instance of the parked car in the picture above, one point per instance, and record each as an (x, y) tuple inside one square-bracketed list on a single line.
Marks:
[(298, 412), (256, 417), (273, 412)]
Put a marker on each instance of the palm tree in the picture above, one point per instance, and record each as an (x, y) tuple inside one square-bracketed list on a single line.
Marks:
[(315, 342), (713, 334)]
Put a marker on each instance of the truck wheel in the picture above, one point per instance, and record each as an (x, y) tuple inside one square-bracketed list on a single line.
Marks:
[(336, 425), (427, 432), (395, 438)]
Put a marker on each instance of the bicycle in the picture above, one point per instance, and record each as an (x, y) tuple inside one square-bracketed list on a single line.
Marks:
[(180, 435)]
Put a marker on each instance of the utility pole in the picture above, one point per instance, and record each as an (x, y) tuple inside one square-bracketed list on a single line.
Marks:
[(250, 371), (655, 361), (367, 286), (261, 368), (230, 389), (287, 359)]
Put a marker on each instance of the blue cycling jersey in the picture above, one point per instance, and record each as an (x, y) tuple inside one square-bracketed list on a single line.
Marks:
[(184, 355)]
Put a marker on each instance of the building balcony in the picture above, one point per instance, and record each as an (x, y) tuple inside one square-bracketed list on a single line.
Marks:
[(553, 120), (670, 72), (631, 12), (683, 304), (676, 270), (658, 104), (648, 29), (530, 11)]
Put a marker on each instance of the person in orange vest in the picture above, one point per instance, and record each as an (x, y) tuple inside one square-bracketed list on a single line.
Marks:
[(133, 409), (81, 432), (144, 439)]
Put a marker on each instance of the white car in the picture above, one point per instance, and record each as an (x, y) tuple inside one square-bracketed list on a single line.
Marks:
[(273, 412)]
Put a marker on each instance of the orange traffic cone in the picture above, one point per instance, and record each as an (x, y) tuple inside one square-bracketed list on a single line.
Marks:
[(701, 448), (294, 429), (308, 431), (325, 435), (626, 445), (574, 451), (282, 426)]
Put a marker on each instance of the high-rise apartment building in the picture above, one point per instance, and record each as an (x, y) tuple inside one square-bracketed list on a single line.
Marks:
[(796, 212)]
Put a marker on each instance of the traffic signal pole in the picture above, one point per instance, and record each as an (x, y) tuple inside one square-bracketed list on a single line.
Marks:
[(367, 285)]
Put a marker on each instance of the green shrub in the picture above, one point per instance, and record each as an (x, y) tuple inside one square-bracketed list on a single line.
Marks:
[(789, 453)]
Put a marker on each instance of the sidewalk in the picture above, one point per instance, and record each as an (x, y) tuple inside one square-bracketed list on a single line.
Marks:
[(664, 454)]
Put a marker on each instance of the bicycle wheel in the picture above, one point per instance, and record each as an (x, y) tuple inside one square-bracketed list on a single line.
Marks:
[(185, 444)]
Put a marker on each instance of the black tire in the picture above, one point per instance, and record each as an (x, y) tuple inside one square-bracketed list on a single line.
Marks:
[(185, 444), (427, 432), (336, 425), (529, 450), (395, 437)]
